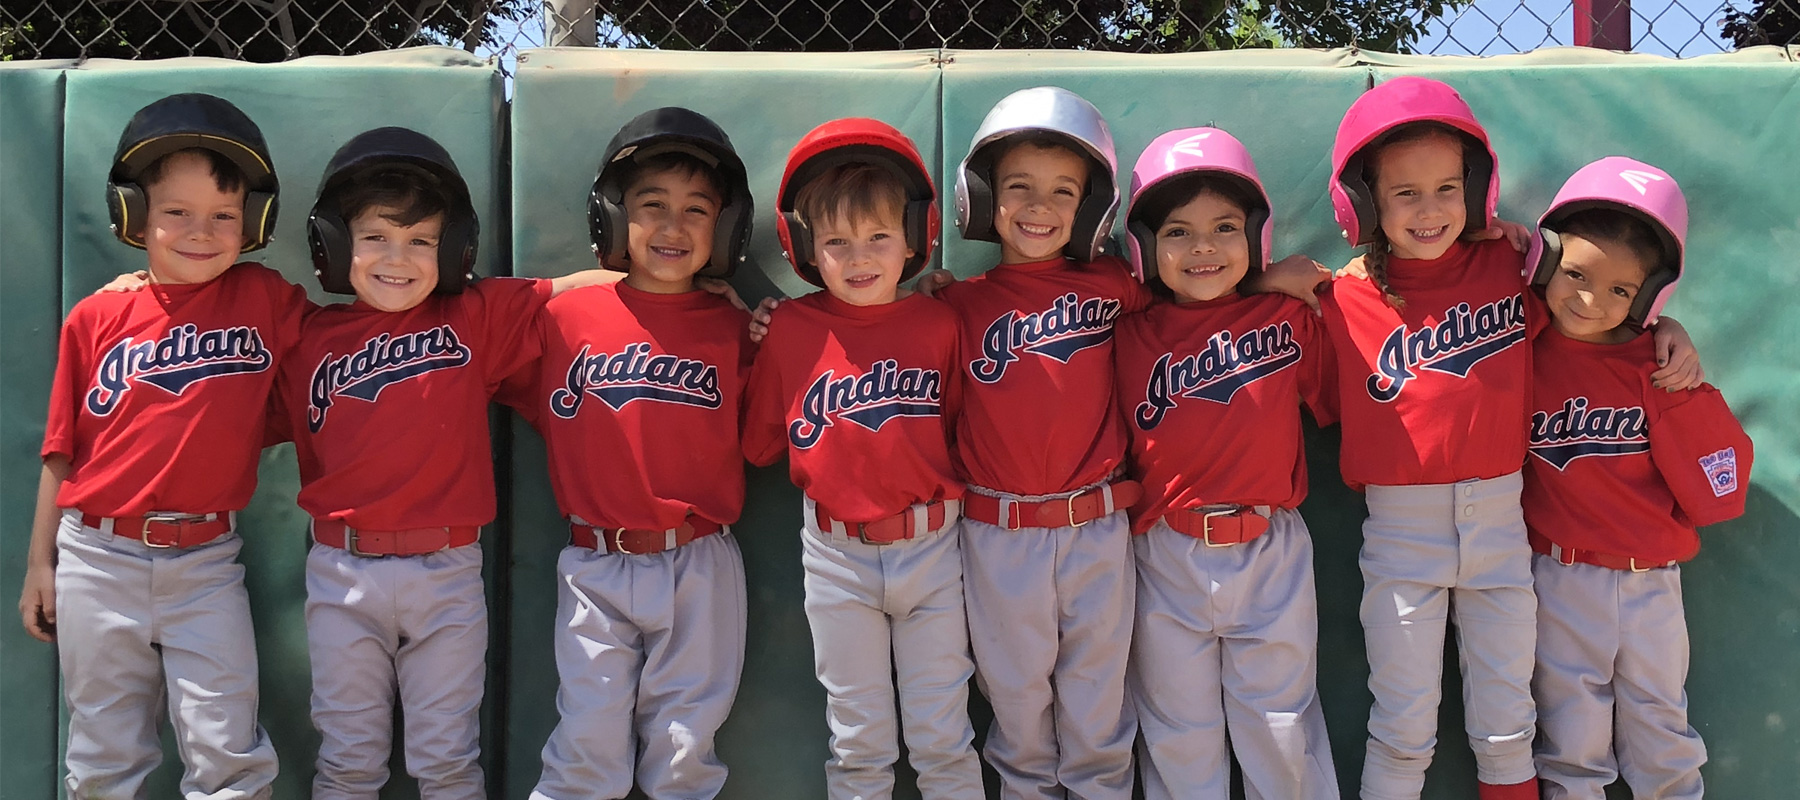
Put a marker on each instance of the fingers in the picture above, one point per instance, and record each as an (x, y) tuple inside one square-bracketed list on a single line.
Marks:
[(932, 281), (722, 289), (38, 611), (761, 316)]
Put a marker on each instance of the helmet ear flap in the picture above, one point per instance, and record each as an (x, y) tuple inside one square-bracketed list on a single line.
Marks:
[(126, 205), (1546, 253), (975, 203), (1647, 306), (608, 228), (457, 249), (1362, 199), (1256, 218), (1146, 246), (260, 207), (918, 236), (800, 247), (731, 237), (1480, 168), (328, 239)]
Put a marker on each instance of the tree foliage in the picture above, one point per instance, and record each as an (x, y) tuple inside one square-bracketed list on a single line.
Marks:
[(1128, 25), (275, 30), (253, 30), (1764, 22)]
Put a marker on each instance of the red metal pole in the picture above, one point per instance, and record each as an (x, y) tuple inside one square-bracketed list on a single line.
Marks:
[(1605, 24)]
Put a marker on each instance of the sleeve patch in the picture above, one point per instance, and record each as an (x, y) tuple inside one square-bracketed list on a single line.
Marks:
[(1721, 471)]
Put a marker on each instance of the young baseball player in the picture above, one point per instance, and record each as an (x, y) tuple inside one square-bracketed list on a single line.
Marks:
[(154, 429), (855, 387), (1620, 474), (1435, 368), (1227, 622), (386, 400), (637, 396), (1046, 542)]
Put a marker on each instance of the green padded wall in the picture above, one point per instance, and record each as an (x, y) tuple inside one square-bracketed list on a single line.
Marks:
[(567, 104), (31, 121), (306, 110)]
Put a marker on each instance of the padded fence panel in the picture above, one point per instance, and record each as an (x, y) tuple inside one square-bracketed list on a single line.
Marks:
[(31, 96), (567, 104), (306, 110), (1725, 128)]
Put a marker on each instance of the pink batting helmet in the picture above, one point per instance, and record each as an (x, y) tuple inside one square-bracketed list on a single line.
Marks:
[(1622, 184), (1376, 114), (1158, 185)]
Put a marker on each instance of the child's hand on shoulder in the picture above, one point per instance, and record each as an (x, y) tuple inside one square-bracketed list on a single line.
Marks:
[(1517, 235), (932, 281), (1297, 276), (37, 603), (128, 282), (1679, 360), (760, 318), (1356, 269), (725, 290)]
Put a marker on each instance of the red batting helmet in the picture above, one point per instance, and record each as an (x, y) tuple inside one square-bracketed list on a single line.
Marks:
[(857, 140)]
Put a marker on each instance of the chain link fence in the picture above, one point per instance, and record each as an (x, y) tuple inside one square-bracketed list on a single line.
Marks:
[(276, 30)]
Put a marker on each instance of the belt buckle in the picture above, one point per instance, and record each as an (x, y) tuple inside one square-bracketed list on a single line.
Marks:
[(1565, 556), (177, 520), (1633, 564), (862, 535), (1206, 527), (618, 541), (350, 545), (1071, 506)]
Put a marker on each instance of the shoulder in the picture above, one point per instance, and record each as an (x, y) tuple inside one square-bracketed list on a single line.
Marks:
[(584, 297)]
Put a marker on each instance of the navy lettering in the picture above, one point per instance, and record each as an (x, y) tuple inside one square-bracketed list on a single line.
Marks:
[(1576, 430), (1454, 346), (1216, 373), (869, 399), (1068, 326), (634, 374), (382, 362), (182, 357)]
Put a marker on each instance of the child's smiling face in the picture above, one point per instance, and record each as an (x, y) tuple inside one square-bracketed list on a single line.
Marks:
[(393, 267), (1037, 191), (671, 214), (194, 230), (1591, 292), (861, 260), (1202, 249), (1419, 195)]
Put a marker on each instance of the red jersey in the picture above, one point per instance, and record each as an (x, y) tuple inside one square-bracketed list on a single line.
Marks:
[(1040, 416), (1211, 393), (388, 411), (160, 396), (1621, 467), (1435, 392), (637, 396), (857, 397)]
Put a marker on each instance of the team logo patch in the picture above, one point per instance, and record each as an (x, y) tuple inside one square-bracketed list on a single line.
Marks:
[(1217, 373), (1721, 471), (182, 357), (1068, 326), (869, 399), (1464, 338), (617, 379), (1576, 431), (382, 362)]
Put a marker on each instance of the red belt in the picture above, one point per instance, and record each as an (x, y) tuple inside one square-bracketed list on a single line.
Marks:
[(166, 530), (1569, 555), (1073, 511), (375, 544), (888, 530), (1221, 525), (641, 541)]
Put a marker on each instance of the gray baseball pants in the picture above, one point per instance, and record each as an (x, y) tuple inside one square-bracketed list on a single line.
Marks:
[(649, 649), (1227, 638), (1612, 654), (1430, 554), (1050, 614), (887, 617), (411, 626), (144, 625)]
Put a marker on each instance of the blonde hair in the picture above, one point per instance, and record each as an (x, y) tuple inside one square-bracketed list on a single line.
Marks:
[(852, 193)]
